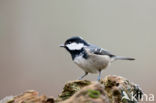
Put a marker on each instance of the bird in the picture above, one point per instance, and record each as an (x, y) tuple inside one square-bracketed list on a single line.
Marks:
[(89, 57)]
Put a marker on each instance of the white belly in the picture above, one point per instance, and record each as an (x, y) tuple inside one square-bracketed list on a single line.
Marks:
[(93, 63)]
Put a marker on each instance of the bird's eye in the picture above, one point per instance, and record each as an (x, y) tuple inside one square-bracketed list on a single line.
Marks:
[(69, 42)]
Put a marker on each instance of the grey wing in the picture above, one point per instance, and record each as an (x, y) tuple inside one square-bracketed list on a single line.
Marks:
[(99, 51)]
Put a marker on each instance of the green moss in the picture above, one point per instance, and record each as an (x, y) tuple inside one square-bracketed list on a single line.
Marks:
[(93, 93)]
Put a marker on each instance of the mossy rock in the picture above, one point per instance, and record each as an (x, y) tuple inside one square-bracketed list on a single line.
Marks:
[(71, 88)]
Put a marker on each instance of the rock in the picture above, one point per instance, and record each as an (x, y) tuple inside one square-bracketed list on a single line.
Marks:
[(120, 90), (30, 96), (93, 93), (72, 87), (111, 89)]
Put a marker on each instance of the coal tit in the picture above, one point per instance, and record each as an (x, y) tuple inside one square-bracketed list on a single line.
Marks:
[(89, 57)]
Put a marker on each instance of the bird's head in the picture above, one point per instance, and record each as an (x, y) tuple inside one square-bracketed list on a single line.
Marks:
[(74, 44)]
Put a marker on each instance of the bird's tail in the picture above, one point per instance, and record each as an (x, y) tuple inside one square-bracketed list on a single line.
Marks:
[(121, 58)]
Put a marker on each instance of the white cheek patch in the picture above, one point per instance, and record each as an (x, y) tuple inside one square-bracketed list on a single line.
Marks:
[(75, 46)]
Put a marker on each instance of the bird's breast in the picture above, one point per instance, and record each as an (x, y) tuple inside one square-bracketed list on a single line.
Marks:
[(93, 63)]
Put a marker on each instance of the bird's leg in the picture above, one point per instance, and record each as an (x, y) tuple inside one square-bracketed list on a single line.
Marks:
[(86, 73), (99, 76)]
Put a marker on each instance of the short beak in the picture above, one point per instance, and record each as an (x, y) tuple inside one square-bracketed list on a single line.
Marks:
[(62, 45)]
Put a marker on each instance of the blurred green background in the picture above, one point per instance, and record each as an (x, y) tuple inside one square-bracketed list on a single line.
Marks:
[(31, 30)]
